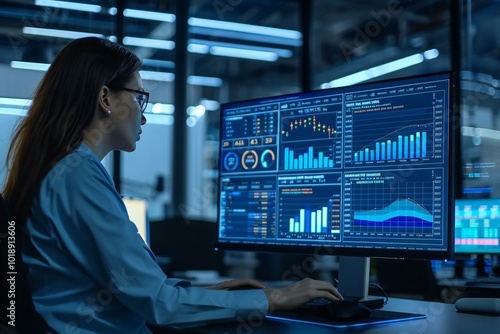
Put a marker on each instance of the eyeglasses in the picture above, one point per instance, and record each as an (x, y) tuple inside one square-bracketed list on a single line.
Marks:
[(142, 97)]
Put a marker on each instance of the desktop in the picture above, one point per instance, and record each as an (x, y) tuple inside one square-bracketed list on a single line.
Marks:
[(361, 171)]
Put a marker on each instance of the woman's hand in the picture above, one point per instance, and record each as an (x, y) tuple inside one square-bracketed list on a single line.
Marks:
[(300, 293), (238, 284)]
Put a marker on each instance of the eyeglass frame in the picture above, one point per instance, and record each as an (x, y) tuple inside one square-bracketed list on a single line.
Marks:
[(146, 94)]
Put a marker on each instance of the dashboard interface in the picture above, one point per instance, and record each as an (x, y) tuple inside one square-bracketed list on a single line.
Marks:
[(364, 167)]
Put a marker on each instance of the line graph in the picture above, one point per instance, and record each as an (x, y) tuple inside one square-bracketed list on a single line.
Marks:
[(384, 204), (319, 126)]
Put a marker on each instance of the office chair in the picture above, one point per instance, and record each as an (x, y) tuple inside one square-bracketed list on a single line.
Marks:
[(27, 320)]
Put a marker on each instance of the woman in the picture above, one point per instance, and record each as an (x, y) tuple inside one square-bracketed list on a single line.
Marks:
[(89, 269)]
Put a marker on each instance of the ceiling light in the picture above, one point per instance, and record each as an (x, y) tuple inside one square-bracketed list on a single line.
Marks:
[(14, 106), (204, 81), (157, 76), (210, 104), (431, 54), (148, 43), (242, 53), (147, 15), (198, 48), (162, 108), (245, 36), (283, 53), (158, 63), (26, 65), (69, 5), (247, 28), (58, 33), (383, 69)]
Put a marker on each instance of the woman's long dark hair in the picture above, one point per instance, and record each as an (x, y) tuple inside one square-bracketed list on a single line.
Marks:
[(64, 104)]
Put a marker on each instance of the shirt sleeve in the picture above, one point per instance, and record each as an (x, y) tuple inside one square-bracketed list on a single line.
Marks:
[(101, 238)]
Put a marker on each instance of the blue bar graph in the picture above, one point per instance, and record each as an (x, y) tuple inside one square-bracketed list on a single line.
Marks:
[(307, 160), (409, 146), (310, 221)]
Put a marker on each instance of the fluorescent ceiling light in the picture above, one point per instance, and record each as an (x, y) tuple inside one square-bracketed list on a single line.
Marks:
[(241, 53), (210, 104), (26, 65), (14, 106), (13, 111), (157, 76), (58, 33), (204, 81), (480, 132), (148, 43), (147, 15), (198, 48), (431, 54), (247, 28), (377, 71), (162, 108), (283, 53), (245, 36), (197, 111), (10, 101), (69, 5), (158, 63)]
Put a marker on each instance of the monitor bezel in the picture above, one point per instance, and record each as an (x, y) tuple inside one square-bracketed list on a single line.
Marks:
[(454, 188)]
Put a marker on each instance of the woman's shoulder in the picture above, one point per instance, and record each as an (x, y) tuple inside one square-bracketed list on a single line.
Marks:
[(80, 164)]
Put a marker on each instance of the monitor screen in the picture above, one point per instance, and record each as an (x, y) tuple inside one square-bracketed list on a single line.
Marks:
[(365, 170), (477, 226), (138, 214)]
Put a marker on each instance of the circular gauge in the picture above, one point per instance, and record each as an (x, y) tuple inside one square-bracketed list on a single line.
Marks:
[(267, 159), (249, 159), (231, 161)]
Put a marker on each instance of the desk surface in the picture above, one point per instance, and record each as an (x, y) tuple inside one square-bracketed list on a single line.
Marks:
[(441, 318)]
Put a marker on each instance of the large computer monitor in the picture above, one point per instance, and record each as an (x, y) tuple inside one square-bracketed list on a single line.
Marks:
[(361, 171)]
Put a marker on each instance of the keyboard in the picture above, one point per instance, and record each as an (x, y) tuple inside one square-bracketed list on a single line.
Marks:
[(480, 281)]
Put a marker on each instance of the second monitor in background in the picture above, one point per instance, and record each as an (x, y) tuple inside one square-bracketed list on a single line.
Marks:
[(477, 233), (138, 213)]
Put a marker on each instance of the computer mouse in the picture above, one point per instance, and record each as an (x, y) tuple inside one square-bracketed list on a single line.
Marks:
[(347, 310)]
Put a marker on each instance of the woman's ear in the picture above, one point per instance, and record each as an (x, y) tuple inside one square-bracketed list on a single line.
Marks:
[(104, 103)]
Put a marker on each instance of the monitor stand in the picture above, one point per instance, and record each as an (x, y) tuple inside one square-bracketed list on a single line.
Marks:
[(481, 266), (354, 281)]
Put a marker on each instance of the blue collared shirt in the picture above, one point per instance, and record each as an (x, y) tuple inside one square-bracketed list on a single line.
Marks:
[(91, 272)]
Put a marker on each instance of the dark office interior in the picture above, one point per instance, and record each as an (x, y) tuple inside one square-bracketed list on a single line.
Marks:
[(194, 61)]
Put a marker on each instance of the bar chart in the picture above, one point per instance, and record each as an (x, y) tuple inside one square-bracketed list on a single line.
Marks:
[(308, 158), (309, 211), (410, 131), (408, 146)]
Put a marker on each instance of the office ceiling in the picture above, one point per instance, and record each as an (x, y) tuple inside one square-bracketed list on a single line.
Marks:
[(348, 36)]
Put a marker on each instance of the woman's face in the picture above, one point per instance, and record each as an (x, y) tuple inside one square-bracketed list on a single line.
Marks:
[(126, 114)]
